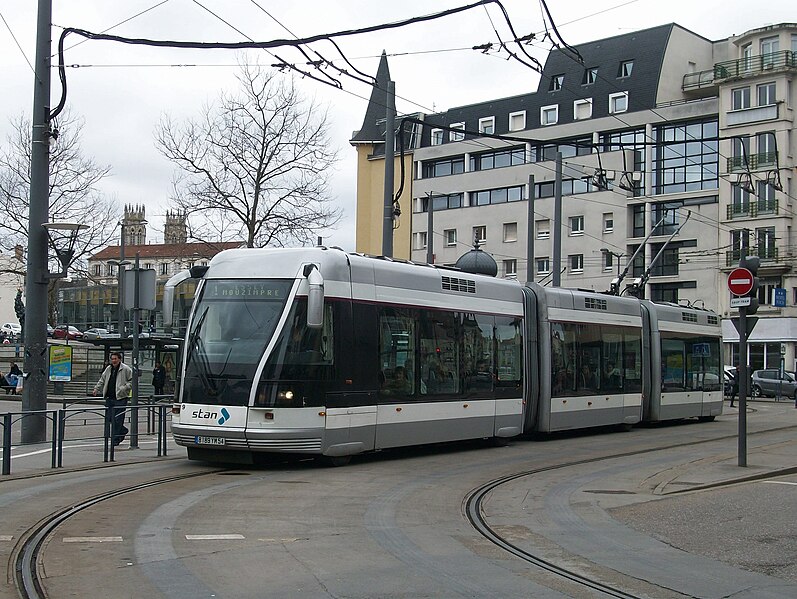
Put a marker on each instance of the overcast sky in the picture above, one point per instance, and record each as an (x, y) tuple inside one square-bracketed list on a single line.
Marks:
[(121, 91)]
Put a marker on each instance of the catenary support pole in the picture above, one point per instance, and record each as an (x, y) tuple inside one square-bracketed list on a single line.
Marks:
[(530, 234), (390, 143), (34, 394), (557, 223), (136, 370)]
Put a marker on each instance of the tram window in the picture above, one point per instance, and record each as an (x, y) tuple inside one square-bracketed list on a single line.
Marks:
[(673, 366), (398, 373), (611, 377), (632, 361), (508, 353), (587, 358), (477, 350), (440, 359)]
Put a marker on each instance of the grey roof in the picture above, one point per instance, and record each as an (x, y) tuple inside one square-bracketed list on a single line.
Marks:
[(477, 262), (646, 48), (372, 130)]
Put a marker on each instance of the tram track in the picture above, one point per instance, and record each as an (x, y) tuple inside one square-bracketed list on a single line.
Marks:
[(474, 512), (26, 572), (28, 551)]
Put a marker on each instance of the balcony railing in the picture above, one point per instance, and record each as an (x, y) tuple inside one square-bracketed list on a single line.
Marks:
[(766, 254), (755, 162), (753, 209), (754, 65), (742, 67)]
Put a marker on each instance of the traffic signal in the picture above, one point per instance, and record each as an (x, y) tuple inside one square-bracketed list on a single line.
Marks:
[(751, 263)]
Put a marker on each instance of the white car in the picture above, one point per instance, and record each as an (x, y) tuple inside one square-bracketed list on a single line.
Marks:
[(11, 328)]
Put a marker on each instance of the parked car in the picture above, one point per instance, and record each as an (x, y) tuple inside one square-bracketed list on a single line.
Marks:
[(11, 328), (50, 330), (64, 332), (769, 383), (95, 333)]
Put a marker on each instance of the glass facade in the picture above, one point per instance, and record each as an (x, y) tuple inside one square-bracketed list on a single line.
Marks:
[(686, 157)]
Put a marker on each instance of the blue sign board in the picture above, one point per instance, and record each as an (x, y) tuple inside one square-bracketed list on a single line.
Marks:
[(779, 298)]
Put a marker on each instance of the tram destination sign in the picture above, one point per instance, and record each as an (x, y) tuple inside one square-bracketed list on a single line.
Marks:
[(740, 281)]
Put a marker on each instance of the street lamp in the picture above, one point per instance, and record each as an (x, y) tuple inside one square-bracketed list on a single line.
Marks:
[(616, 255), (62, 237)]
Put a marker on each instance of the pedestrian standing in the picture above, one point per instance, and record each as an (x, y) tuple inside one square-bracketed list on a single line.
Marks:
[(734, 385), (158, 378), (116, 384)]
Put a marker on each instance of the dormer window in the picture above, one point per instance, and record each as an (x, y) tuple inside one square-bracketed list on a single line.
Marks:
[(590, 76), (457, 135), (625, 68), (557, 81)]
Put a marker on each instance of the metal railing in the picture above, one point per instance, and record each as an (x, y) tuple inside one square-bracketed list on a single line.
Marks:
[(760, 161), (755, 65), (753, 209), (741, 67), (732, 257), (90, 416)]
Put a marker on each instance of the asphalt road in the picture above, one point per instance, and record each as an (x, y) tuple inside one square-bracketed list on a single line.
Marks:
[(630, 510)]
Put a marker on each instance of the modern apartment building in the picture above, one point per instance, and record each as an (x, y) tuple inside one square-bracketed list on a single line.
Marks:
[(660, 130)]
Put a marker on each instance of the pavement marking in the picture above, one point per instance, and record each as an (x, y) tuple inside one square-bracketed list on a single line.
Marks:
[(6, 537), (778, 482), (288, 540), (93, 539), (41, 451), (234, 537)]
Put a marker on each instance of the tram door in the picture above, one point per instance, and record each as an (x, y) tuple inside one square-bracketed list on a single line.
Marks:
[(352, 425)]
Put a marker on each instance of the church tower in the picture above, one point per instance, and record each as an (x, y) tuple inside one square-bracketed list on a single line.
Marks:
[(134, 225), (175, 231)]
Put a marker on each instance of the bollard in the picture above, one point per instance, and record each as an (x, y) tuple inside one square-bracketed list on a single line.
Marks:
[(7, 443), (61, 434), (106, 433), (54, 450)]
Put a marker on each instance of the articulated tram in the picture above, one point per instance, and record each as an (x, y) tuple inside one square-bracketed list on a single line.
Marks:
[(318, 351)]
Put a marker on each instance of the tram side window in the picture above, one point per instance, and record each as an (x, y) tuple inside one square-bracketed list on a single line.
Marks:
[(611, 377), (440, 359), (587, 359), (508, 354), (673, 365), (396, 353), (632, 361), (477, 353), (690, 363)]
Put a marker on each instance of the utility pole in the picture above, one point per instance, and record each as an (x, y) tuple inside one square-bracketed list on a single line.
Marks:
[(430, 228), (121, 276), (136, 370), (34, 394), (390, 144), (557, 223)]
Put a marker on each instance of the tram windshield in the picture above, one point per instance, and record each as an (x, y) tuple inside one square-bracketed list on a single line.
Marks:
[(232, 324)]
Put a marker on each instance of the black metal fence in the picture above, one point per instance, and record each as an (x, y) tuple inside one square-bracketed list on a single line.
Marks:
[(88, 419)]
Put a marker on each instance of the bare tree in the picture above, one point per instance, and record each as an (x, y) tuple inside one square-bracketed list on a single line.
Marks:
[(255, 165), (73, 192)]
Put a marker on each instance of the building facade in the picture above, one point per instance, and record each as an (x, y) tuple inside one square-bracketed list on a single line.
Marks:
[(94, 302), (675, 148)]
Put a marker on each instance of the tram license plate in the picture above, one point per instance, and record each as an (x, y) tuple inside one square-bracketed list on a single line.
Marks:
[(199, 440)]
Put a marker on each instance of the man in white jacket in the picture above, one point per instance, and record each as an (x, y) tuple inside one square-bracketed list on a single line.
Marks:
[(116, 384)]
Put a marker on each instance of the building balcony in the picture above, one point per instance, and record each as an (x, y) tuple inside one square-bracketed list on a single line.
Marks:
[(706, 82), (753, 209), (763, 161), (747, 116), (754, 65), (769, 256)]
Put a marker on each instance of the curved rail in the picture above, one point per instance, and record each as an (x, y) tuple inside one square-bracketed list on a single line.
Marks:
[(26, 573), (472, 505)]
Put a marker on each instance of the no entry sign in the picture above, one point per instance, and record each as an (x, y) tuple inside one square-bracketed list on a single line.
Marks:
[(740, 281)]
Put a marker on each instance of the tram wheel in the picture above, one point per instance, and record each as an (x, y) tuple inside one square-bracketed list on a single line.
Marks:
[(500, 441), (336, 461)]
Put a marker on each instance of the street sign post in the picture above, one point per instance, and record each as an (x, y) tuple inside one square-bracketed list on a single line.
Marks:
[(740, 281)]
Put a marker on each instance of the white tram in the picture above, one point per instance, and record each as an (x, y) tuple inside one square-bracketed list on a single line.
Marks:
[(318, 351)]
